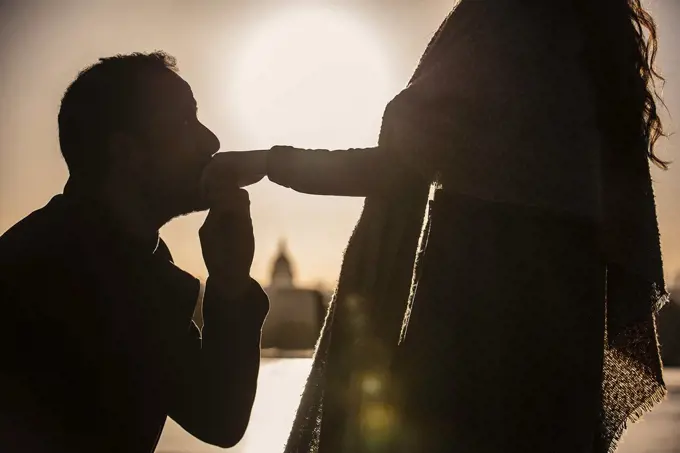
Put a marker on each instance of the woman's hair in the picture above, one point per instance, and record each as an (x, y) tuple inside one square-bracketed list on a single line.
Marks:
[(620, 52)]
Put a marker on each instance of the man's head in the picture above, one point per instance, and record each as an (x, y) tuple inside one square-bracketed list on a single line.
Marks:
[(130, 121)]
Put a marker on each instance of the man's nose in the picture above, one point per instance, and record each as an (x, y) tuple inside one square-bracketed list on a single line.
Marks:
[(209, 141)]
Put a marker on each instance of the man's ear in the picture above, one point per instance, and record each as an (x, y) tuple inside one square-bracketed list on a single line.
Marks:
[(124, 152)]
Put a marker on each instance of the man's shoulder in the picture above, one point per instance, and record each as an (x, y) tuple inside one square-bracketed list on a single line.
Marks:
[(42, 234)]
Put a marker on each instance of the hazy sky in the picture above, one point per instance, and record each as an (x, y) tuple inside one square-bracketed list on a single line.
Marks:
[(313, 73)]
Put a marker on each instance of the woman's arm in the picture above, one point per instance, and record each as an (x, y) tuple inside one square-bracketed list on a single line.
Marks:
[(356, 172), (348, 173)]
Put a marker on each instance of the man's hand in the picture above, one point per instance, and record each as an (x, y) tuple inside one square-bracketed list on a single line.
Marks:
[(227, 239)]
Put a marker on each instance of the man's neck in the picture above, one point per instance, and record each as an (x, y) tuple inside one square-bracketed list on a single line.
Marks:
[(131, 213), (136, 219)]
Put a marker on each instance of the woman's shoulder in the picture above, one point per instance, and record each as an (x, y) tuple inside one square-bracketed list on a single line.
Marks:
[(538, 20)]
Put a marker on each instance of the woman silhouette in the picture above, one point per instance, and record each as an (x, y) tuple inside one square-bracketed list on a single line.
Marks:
[(515, 313)]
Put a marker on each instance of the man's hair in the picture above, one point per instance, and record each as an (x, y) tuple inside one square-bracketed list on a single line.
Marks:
[(103, 98)]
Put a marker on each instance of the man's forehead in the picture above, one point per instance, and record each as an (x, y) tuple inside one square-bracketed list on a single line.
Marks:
[(170, 90)]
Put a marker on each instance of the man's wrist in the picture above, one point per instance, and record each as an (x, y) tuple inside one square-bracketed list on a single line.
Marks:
[(229, 289), (250, 303)]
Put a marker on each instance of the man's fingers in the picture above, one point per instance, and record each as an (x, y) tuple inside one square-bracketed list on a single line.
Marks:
[(235, 202), (230, 201), (230, 219)]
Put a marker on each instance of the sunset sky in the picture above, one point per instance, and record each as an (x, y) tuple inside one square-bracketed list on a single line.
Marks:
[(313, 73)]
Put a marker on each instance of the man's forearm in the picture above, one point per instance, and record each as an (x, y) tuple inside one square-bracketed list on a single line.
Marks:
[(236, 319), (222, 378)]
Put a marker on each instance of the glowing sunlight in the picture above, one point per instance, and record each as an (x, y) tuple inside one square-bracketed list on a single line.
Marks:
[(313, 77)]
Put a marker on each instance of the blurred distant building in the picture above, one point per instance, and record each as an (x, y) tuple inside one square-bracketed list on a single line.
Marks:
[(295, 314)]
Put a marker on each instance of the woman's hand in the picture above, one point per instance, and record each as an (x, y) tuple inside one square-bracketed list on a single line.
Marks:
[(357, 172), (241, 168)]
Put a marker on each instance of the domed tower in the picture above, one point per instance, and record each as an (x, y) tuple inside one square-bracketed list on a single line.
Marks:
[(282, 271)]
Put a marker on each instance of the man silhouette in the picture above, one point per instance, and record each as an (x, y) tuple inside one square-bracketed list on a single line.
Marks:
[(98, 344)]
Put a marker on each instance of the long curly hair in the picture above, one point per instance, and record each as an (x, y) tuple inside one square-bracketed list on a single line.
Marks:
[(621, 53)]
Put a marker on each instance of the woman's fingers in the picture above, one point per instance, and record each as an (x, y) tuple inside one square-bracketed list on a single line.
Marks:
[(240, 168)]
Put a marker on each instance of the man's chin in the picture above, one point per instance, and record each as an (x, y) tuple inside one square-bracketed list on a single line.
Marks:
[(195, 209), (190, 207)]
